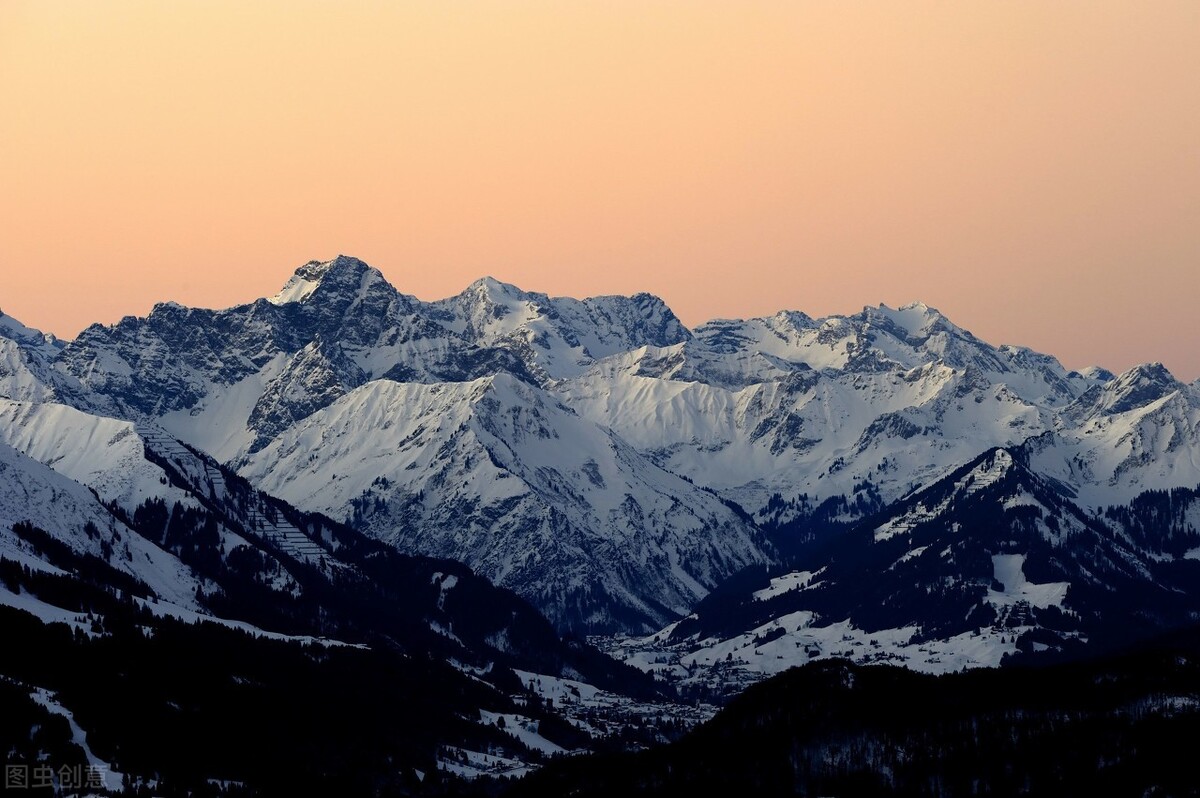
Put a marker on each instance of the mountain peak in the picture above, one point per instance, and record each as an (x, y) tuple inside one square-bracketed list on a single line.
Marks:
[(916, 318), (1136, 388), (494, 290), (795, 319), (341, 270), (1154, 372), (1097, 374), (1146, 375), (318, 270), (489, 283)]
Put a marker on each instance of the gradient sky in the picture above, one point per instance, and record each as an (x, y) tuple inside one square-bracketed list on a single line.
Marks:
[(1030, 168)]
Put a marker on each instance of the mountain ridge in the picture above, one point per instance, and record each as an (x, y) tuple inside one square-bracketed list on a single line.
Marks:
[(778, 428)]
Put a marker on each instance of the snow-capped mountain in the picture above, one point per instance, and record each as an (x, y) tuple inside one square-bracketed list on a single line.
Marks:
[(463, 419), (557, 337), (500, 474), (231, 380), (34, 497), (769, 410), (1138, 432), (148, 574), (26, 364), (250, 371), (201, 539), (596, 455), (992, 561)]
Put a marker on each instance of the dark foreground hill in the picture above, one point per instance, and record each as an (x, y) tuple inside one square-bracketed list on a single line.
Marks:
[(1125, 725)]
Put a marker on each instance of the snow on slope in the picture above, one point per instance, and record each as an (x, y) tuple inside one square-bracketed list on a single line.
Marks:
[(877, 338), (111, 778), (1139, 432), (729, 665), (1009, 571), (42, 610), (32, 340), (33, 492), (792, 405), (334, 326), (26, 358), (811, 433), (219, 422), (103, 453), (992, 560), (522, 729), (19, 377), (499, 474), (559, 336)]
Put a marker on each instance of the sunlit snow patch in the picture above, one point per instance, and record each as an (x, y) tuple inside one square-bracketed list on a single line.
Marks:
[(1008, 570)]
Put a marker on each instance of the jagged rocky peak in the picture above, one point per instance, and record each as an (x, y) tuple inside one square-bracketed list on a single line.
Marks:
[(1136, 388), (921, 332), (556, 336), (318, 270), (916, 320), (1029, 358), (339, 274), (660, 326), (1149, 374), (488, 300), (169, 308), (793, 319), (641, 319), (494, 289), (932, 334)]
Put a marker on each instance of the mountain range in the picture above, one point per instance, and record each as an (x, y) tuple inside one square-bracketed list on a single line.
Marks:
[(597, 456), (479, 482)]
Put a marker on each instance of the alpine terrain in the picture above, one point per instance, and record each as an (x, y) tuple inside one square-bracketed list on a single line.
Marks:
[(486, 530)]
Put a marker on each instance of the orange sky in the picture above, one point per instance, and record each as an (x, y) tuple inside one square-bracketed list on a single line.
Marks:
[(1031, 168)]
